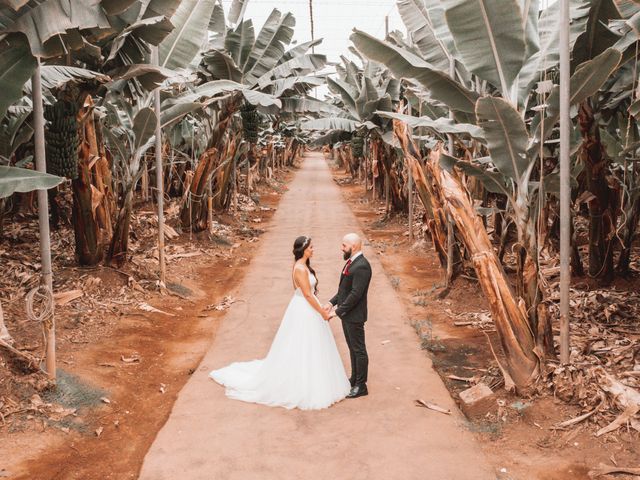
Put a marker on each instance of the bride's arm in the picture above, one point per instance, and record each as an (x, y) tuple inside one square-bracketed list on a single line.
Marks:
[(302, 280)]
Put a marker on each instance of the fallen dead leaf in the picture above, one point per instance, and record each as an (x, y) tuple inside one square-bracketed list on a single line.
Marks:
[(132, 359), (62, 298)]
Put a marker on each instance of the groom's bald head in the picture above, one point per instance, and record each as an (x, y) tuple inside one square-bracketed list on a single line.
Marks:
[(351, 244), (353, 240)]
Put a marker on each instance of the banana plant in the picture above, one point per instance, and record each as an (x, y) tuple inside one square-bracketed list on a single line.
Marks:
[(359, 93), (241, 68), (504, 50)]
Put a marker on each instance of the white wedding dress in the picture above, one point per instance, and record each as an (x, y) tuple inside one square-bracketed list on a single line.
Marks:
[(303, 368)]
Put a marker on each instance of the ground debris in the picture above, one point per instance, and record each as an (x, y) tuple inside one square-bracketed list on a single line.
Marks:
[(432, 406), (607, 470), (223, 305)]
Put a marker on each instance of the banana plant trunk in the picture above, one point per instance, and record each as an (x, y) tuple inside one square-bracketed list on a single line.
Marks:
[(633, 216), (194, 211), (119, 246), (448, 194), (193, 214), (602, 205), (397, 198), (509, 316), (89, 249)]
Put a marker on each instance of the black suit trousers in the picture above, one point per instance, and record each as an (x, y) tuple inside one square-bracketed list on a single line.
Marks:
[(354, 334)]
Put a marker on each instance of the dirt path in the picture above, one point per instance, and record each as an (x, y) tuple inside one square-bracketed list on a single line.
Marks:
[(376, 437)]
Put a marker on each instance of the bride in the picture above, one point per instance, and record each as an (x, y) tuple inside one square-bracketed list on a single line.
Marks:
[(303, 368)]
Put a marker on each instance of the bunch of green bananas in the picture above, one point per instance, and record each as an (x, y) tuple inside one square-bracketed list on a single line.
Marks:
[(250, 122), (62, 139), (357, 146)]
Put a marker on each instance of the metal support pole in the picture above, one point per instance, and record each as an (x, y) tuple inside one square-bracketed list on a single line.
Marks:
[(159, 178), (43, 217), (410, 205), (450, 230), (565, 183), (387, 186), (410, 179), (365, 157)]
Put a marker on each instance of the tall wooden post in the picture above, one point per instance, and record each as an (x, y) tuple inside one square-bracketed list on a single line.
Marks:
[(159, 178), (43, 217)]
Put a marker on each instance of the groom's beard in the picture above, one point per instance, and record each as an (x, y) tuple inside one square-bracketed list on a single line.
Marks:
[(346, 255)]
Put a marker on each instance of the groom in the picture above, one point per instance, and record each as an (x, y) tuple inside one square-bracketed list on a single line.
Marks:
[(351, 306)]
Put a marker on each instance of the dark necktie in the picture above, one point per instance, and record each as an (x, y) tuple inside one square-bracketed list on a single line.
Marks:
[(346, 268)]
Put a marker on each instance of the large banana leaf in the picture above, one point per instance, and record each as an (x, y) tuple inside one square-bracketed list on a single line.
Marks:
[(114, 7), (494, 182), (14, 4), (346, 92), (144, 127), (300, 49), (221, 66), (630, 32), (57, 76), (149, 76), (333, 123), (300, 65), (309, 105), (587, 79), (236, 12), (261, 99), (217, 22), (436, 14), (530, 10), (367, 100), (14, 132), (207, 91), (16, 67), (238, 42), (46, 24), (489, 36), (548, 55), (163, 8), (300, 84), (185, 41), (152, 30), (415, 16), (270, 44), (506, 136), (404, 64), (13, 179), (351, 72), (597, 37), (174, 113), (441, 125)]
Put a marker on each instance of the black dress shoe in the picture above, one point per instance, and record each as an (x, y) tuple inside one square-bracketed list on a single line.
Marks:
[(358, 391)]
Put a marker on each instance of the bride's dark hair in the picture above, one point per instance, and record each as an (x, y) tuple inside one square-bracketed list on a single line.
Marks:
[(299, 246)]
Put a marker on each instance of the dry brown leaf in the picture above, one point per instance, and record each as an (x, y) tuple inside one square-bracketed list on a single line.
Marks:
[(62, 298)]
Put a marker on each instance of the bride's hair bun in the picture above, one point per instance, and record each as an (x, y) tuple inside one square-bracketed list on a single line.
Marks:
[(300, 245)]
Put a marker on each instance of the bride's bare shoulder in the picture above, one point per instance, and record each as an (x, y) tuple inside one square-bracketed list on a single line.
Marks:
[(299, 267)]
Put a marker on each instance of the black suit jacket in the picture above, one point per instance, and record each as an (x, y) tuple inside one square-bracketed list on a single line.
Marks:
[(351, 299)]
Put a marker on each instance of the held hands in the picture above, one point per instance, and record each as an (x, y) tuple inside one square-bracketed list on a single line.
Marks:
[(329, 312)]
